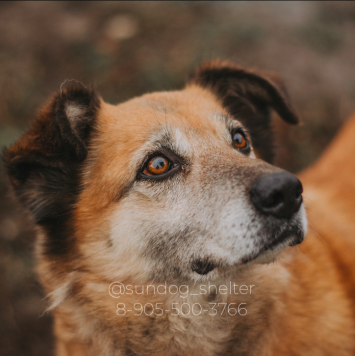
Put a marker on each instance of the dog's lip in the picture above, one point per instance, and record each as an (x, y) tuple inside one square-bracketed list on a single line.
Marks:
[(295, 239), (287, 237)]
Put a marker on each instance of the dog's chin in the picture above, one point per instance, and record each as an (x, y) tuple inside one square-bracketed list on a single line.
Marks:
[(267, 256)]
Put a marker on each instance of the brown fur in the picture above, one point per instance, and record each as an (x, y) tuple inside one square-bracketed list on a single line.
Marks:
[(302, 304)]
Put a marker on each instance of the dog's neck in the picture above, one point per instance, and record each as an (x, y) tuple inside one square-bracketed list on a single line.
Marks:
[(211, 318)]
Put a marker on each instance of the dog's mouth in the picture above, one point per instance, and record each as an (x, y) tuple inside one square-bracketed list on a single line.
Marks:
[(291, 237)]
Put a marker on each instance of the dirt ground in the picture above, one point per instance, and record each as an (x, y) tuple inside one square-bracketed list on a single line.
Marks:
[(129, 48)]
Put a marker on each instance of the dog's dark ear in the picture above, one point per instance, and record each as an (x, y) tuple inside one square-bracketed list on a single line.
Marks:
[(248, 96), (43, 164)]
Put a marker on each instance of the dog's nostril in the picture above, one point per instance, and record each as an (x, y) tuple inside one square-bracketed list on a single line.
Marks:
[(277, 194), (274, 199), (299, 190)]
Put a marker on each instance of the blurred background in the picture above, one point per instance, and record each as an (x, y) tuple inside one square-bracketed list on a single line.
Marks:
[(130, 48)]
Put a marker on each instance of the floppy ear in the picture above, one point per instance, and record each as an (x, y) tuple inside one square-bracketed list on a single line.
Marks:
[(248, 96), (43, 164)]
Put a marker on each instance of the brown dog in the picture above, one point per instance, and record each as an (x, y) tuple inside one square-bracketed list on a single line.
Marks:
[(159, 219)]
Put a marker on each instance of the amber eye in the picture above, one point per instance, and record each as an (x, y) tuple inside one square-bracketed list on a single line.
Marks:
[(239, 141), (156, 165)]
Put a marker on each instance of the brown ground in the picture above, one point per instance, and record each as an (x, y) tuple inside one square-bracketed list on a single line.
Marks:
[(127, 49)]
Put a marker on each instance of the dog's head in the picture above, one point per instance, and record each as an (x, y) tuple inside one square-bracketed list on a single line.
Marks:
[(167, 186)]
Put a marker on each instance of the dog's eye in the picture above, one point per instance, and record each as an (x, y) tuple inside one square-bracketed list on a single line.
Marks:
[(239, 141), (156, 166)]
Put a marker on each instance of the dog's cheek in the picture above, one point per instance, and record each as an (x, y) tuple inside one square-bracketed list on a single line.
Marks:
[(129, 223)]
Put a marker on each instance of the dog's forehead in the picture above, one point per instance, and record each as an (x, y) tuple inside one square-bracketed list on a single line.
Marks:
[(192, 104), (193, 111)]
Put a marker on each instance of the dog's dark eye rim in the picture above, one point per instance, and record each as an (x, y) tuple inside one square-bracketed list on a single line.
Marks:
[(245, 149), (175, 165)]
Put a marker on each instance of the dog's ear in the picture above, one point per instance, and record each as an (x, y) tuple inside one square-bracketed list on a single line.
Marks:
[(248, 96), (43, 164)]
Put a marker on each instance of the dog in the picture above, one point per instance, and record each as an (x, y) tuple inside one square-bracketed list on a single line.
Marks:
[(164, 228)]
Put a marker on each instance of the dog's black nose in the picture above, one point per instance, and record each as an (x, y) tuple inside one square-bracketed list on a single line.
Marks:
[(277, 194)]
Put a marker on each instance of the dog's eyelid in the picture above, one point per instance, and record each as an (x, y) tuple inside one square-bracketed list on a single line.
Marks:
[(241, 130), (235, 125), (166, 152)]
